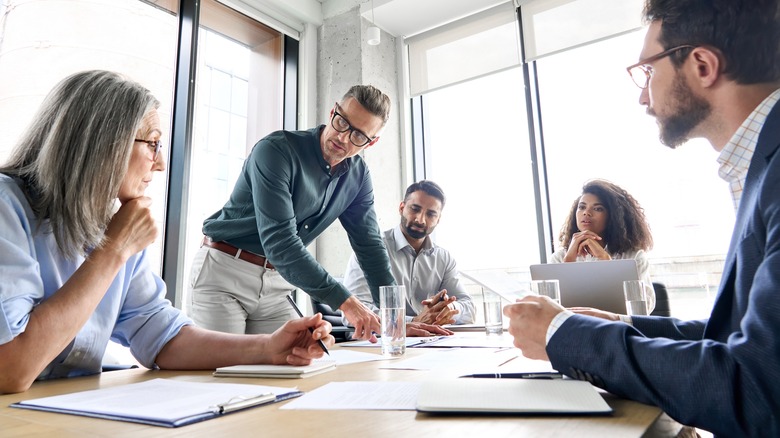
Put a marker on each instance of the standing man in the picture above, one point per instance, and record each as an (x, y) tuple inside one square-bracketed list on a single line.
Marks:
[(294, 184), (708, 69), (435, 294)]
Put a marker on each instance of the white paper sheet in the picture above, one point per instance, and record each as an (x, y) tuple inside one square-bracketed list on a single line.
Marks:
[(386, 396), (346, 357)]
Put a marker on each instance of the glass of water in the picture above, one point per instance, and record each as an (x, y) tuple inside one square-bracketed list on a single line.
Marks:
[(392, 310), (494, 323), (636, 297)]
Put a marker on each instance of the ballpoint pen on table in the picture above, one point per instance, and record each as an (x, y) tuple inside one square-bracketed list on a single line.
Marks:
[(424, 341), (241, 402), (542, 375), (298, 311)]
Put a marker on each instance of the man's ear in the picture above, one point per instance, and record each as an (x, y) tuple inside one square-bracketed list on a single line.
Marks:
[(371, 143), (401, 207), (708, 64)]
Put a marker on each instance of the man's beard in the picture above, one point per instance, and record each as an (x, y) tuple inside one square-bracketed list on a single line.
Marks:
[(414, 234), (691, 110)]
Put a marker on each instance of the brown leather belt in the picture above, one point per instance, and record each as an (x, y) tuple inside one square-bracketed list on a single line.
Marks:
[(232, 250)]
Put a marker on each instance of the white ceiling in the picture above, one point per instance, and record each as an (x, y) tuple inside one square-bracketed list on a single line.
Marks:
[(400, 18), (404, 18)]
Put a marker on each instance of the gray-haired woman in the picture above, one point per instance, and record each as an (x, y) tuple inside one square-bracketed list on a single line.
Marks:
[(75, 274)]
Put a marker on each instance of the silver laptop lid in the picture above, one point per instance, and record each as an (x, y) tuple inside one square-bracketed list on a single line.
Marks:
[(597, 284)]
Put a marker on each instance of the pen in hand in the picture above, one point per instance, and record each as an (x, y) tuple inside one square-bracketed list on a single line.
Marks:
[(298, 311)]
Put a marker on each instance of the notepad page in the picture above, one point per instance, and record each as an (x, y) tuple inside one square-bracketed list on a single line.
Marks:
[(511, 395)]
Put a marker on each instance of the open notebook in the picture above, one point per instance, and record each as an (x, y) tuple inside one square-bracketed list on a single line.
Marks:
[(505, 396)]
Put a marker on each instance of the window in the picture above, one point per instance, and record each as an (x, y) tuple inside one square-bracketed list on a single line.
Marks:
[(476, 145), (239, 100), (595, 128), (44, 41)]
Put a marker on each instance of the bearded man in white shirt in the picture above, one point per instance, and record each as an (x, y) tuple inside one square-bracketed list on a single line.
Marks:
[(435, 294)]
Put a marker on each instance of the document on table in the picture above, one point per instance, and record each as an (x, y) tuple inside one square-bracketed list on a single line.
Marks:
[(324, 364), (462, 361), (470, 340), (346, 357), (162, 402), (411, 342), (385, 396)]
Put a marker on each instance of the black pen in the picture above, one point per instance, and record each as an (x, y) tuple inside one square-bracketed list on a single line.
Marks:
[(551, 375), (298, 311)]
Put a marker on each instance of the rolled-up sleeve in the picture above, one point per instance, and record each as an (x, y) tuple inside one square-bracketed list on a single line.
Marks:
[(21, 287), (146, 321)]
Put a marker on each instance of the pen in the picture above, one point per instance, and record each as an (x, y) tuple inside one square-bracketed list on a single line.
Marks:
[(551, 375), (298, 311), (242, 402), (422, 342)]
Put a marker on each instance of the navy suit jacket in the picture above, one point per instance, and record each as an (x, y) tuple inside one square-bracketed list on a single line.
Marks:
[(721, 374)]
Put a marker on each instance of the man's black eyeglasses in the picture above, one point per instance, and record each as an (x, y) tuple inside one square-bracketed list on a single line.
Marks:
[(340, 124)]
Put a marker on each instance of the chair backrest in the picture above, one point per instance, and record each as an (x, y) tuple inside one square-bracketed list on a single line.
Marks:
[(340, 331), (662, 307)]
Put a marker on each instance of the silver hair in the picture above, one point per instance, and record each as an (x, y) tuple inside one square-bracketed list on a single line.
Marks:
[(74, 155), (372, 99)]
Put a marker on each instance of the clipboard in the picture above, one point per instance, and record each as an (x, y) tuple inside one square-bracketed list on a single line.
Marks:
[(162, 402)]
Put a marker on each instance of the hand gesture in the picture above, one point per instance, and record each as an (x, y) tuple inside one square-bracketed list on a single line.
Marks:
[(419, 329), (586, 243), (294, 344), (131, 229), (529, 319), (366, 323), (438, 309)]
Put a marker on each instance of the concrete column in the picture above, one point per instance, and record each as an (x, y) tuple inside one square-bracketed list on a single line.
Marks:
[(345, 59)]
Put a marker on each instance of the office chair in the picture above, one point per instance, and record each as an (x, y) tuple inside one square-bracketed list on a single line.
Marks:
[(341, 332), (662, 307)]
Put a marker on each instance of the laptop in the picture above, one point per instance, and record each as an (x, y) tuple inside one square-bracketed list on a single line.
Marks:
[(597, 284), (511, 396)]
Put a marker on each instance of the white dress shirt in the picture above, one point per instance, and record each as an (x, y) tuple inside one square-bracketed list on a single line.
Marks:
[(423, 274)]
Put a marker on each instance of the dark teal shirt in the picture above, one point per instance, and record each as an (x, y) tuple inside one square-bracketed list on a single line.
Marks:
[(286, 196)]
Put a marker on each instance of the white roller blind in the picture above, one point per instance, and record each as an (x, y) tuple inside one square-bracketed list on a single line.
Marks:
[(483, 43), (552, 26)]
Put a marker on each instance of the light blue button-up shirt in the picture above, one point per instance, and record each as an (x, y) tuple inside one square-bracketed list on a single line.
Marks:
[(133, 312)]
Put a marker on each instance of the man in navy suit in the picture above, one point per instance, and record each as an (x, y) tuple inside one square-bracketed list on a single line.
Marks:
[(708, 69)]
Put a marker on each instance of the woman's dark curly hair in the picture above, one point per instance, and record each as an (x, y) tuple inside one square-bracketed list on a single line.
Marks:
[(627, 228)]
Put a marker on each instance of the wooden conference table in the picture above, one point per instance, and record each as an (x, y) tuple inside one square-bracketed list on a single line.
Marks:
[(630, 419)]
